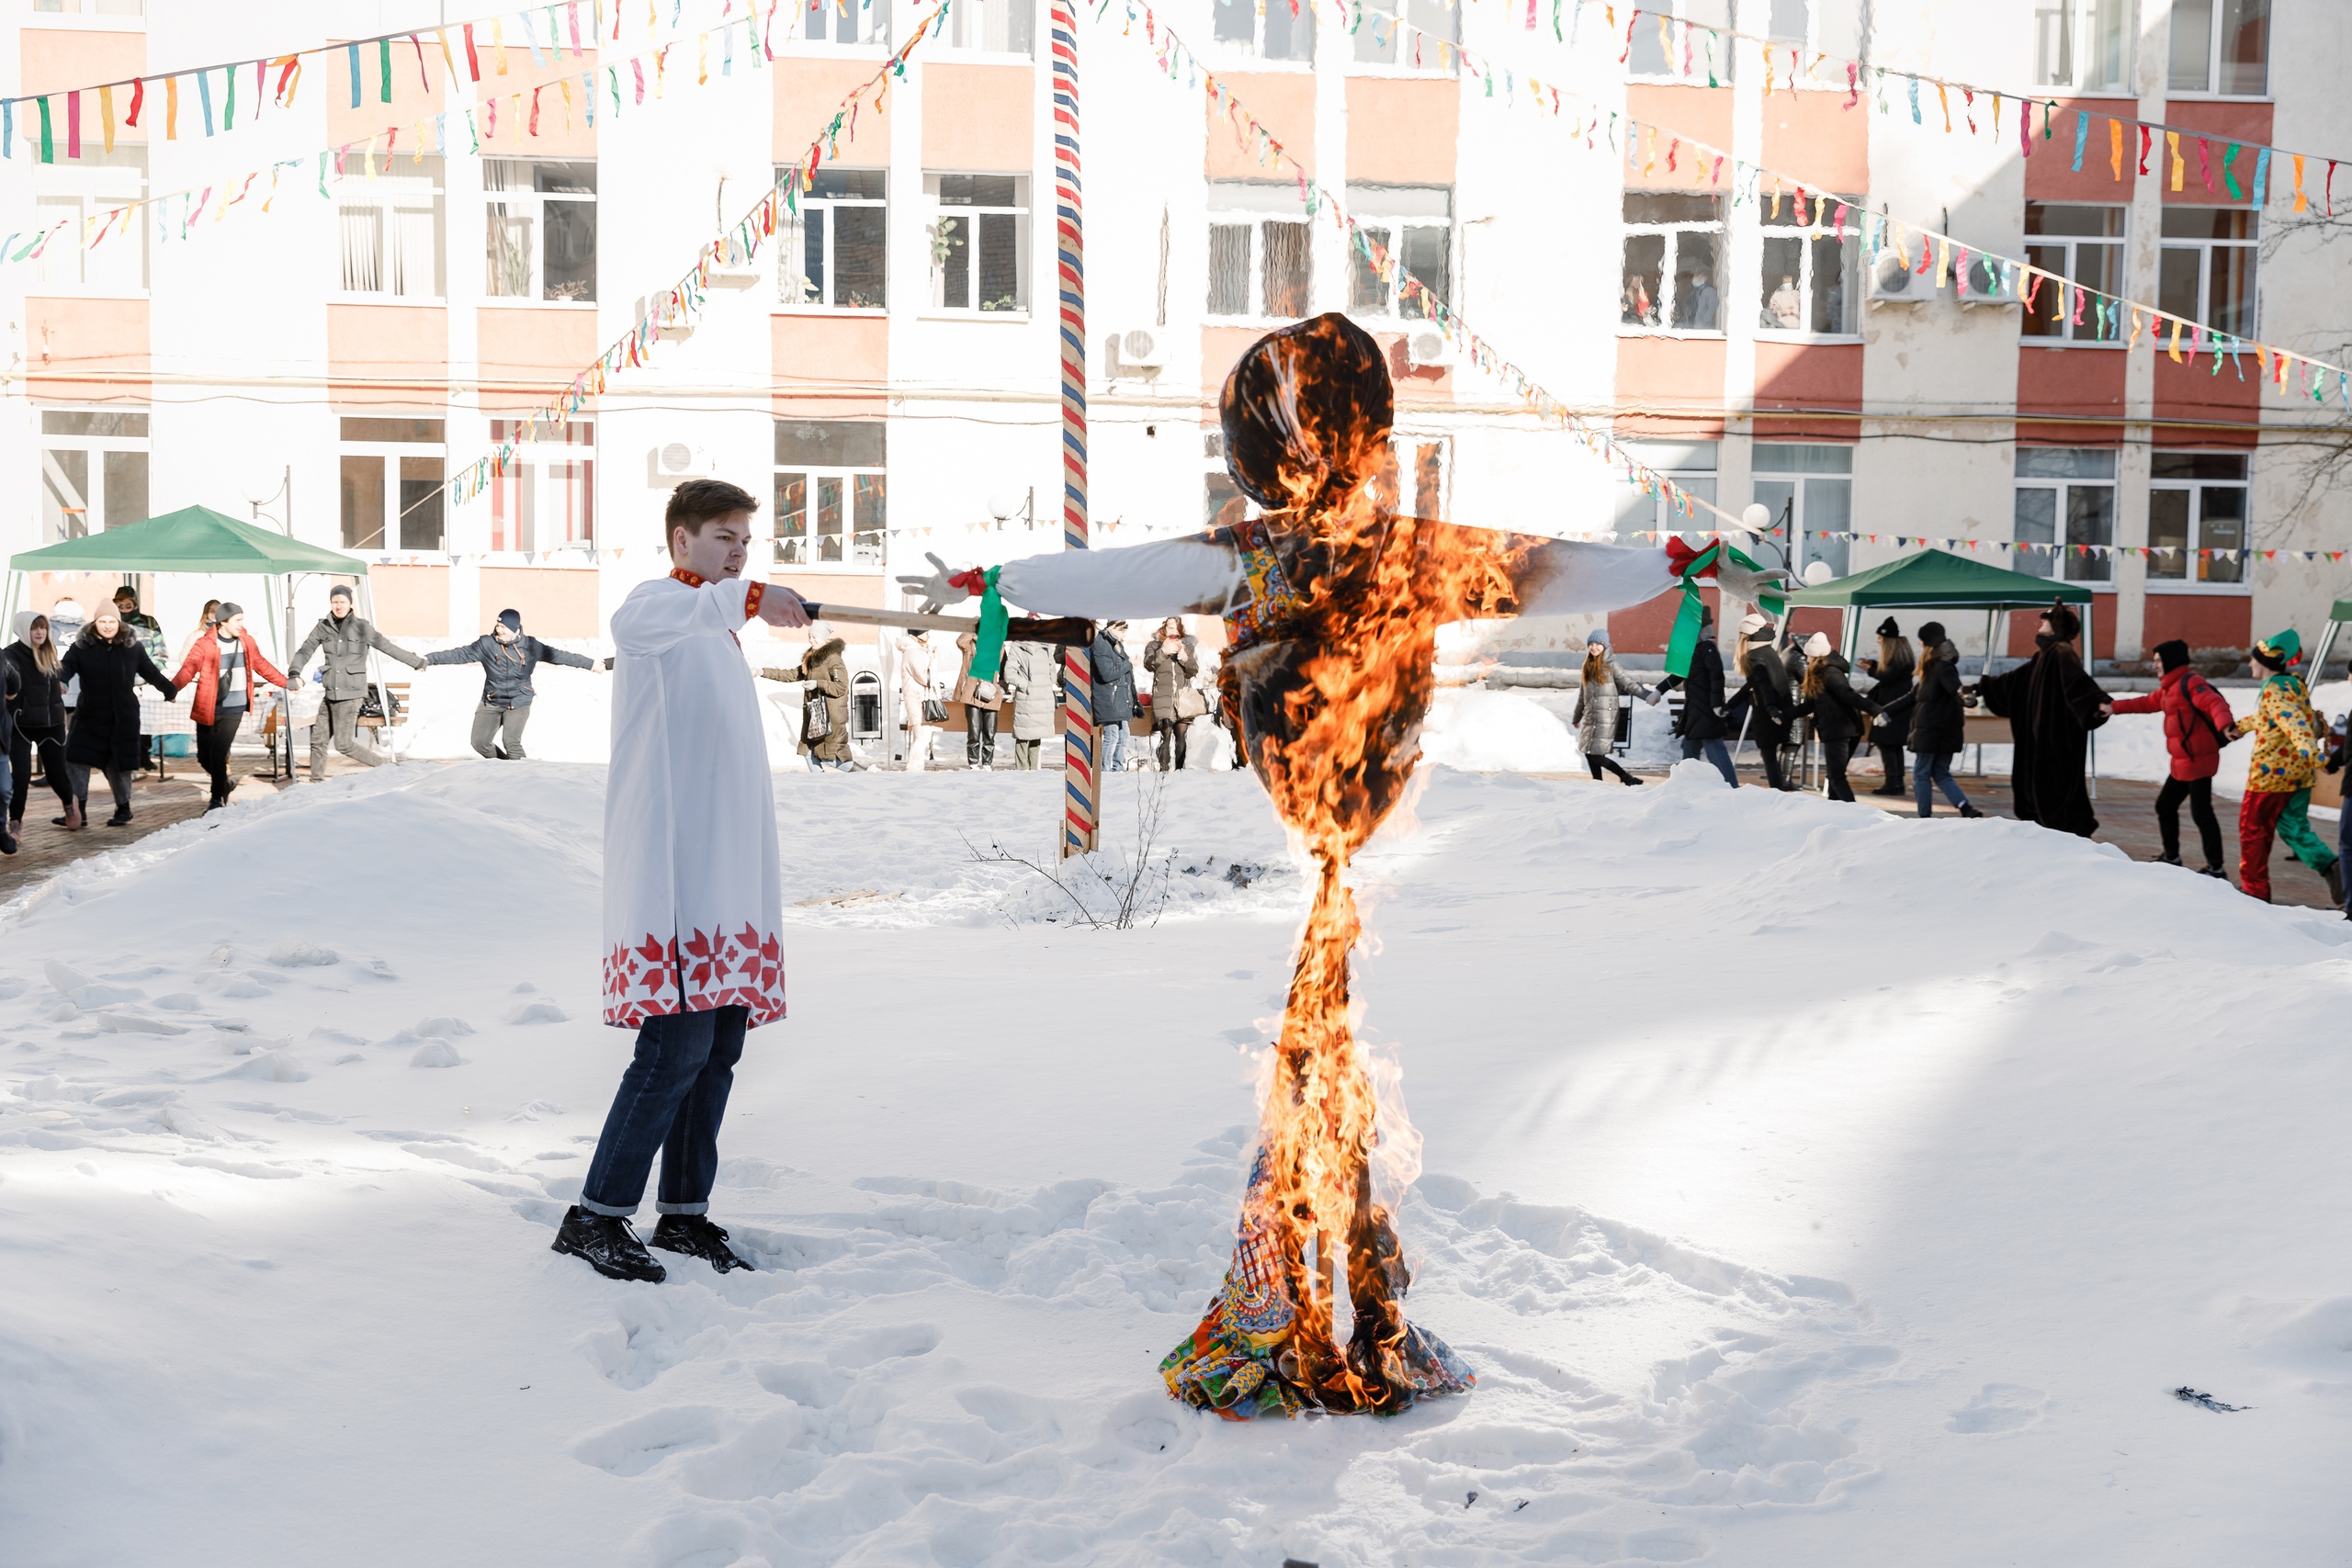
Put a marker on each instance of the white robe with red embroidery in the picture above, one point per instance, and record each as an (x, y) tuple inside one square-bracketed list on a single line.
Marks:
[(692, 902)]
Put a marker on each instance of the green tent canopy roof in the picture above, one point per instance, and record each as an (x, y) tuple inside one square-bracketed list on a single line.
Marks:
[(1940, 579), (2342, 610), (194, 539)]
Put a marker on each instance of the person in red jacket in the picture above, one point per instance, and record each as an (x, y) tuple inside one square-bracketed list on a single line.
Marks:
[(223, 663), (2197, 718)]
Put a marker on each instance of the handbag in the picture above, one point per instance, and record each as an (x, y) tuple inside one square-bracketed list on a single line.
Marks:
[(934, 711), (1191, 702), (816, 718)]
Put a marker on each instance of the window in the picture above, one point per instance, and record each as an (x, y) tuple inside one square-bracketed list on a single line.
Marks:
[(92, 7), (542, 228), (2073, 483), (1818, 495), (979, 244), (1810, 279), (1415, 225), (2197, 502), (1674, 263), (392, 230), (80, 192), (1690, 464), (834, 252), (1839, 29), (2082, 244), (547, 497), (2234, 34), (1262, 266), (2205, 272), (993, 26), (831, 494), (93, 472), (1271, 29), (391, 483), (1683, 53), (2083, 44), (846, 21), (1406, 33)]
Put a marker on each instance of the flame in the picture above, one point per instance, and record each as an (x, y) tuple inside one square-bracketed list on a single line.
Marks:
[(1333, 712)]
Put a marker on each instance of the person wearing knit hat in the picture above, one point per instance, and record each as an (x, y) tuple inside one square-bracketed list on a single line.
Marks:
[(2053, 705), (507, 659), (2289, 740), (1938, 723), (1840, 715), (1596, 705), (343, 639), (1700, 723), (1766, 707), (2197, 718), (1889, 694)]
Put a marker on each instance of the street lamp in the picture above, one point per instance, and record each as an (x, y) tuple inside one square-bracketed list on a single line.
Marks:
[(262, 490)]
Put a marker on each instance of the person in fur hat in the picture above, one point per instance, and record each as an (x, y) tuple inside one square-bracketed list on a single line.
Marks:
[(2053, 705), (827, 673), (2289, 738)]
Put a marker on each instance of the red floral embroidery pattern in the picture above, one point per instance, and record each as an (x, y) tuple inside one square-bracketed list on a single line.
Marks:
[(653, 978), (691, 579)]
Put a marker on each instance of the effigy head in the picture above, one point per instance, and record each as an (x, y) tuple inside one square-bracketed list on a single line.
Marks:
[(1307, 413)]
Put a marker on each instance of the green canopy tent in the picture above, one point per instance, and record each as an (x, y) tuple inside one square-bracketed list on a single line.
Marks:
[(2338, 614), (196, 539)]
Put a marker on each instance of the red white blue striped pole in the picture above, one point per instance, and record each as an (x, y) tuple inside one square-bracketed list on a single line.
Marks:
[(1081, 777)]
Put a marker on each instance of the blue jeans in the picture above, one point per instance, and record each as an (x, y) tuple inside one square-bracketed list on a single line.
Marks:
[(1716, 753), (671, 1098), (1936, 767), (1111, 742)]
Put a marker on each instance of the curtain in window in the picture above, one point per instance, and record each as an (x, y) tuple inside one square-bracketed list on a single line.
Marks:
[(363, 250)]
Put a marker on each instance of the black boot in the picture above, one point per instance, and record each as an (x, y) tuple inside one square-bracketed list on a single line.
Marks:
[(1967, 810), (695, 1236), (608, 1244), (2333, 877), (2170, 857)]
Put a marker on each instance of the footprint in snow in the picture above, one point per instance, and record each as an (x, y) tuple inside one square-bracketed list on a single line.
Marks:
[(2000, 1407)]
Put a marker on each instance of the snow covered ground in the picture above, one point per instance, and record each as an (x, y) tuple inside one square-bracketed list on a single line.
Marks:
[(1808, 1186)]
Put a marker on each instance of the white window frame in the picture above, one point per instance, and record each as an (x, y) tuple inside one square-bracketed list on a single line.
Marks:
[(792, 282), (1255, 205), (872, 19), (2057, 564), (939, 215), (2087, 335), (1374, 31), (395, 524), (1807, 488), (534, 204), (540, 480), (2200, 579), (81, 191), (1850, 249), (97, 15), (2216, 15), (989, 27), (1668, 274), (1818, 40), (1677, 15), (1693, 465), (54, 485), (2073, 26), (1384, 214), (396, 189), (2252, 245), (863, 550), (1262, 18)]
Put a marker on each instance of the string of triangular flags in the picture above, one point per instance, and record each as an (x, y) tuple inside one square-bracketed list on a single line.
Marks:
[(681, 304), (2004, 279), (623, 82), (2033, 548)]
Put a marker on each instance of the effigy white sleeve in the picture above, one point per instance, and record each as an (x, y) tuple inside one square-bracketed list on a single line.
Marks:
[(1565, 577), (1171, 576)]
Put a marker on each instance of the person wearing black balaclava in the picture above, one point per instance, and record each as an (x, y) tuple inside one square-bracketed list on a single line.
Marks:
[(2053, 705)]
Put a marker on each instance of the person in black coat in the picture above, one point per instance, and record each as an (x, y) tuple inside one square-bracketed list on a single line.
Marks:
[(2053, 705), (1701, 725), (37, 715), (1890, 676), (9, 688), (1111, 677), (1766, 707), (1938, 722), (507, 659), (111, 662), (1840, 715)]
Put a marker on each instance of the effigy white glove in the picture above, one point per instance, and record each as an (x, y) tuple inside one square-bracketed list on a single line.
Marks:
[(939, 589), (1747, 584)]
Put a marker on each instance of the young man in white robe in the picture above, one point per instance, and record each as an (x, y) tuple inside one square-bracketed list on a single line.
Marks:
[(693, 904)]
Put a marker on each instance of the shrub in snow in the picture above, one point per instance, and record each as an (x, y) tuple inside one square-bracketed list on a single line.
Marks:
[(437, 1054)]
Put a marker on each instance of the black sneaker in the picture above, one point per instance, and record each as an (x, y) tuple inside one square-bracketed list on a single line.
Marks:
[(2169, 858), (608, 1244), (2216, 871), (1969, 811), (695, 1236)]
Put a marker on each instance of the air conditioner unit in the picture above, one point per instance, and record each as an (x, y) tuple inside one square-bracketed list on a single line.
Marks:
[(1428, 348), (1894, 283), (675, 461), (1143, 348), (1986, 280)]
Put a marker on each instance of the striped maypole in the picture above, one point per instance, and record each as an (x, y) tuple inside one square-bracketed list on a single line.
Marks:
[(1082, 779)]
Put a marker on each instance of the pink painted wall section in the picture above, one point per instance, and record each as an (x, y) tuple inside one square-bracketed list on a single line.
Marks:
[(396, 356), (2219, 124), (1674, 385), (529, 352), (866, 589), (87, 350), (53, 59), (421, 89), (555, 601), (418, 91), (1401, 131), (2068, 384), (2200, 620), (1806, 377), (807, 94), (2049, 175), (978, 118), (829, 367), (1814, 136), (1221, 348), (1701, 114), (1284, 102), (412, 600)]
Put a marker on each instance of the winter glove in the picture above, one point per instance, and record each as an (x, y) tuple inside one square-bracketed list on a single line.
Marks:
[(1748, 584), (943, 587)]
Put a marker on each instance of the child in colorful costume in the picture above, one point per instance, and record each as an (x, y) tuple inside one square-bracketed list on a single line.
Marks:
[(2289, 740)]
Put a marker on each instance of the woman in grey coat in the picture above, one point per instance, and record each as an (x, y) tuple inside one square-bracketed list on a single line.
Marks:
[(1596, 715), (1033, 672)]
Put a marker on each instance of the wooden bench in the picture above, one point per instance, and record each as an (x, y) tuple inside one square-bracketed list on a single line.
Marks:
[(396, 698)]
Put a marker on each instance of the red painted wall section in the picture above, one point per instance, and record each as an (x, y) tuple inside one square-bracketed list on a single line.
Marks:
[(2061, 383), (2049, 175), (1701, 114), (2219, 124), (1818, 136), (1810, 378), (2195, 396), (2023, 624), (1644, 627), (2200, 620), (1677, 384)]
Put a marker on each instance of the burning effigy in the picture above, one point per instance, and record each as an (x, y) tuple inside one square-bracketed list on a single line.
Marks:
[(1332, 599)]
